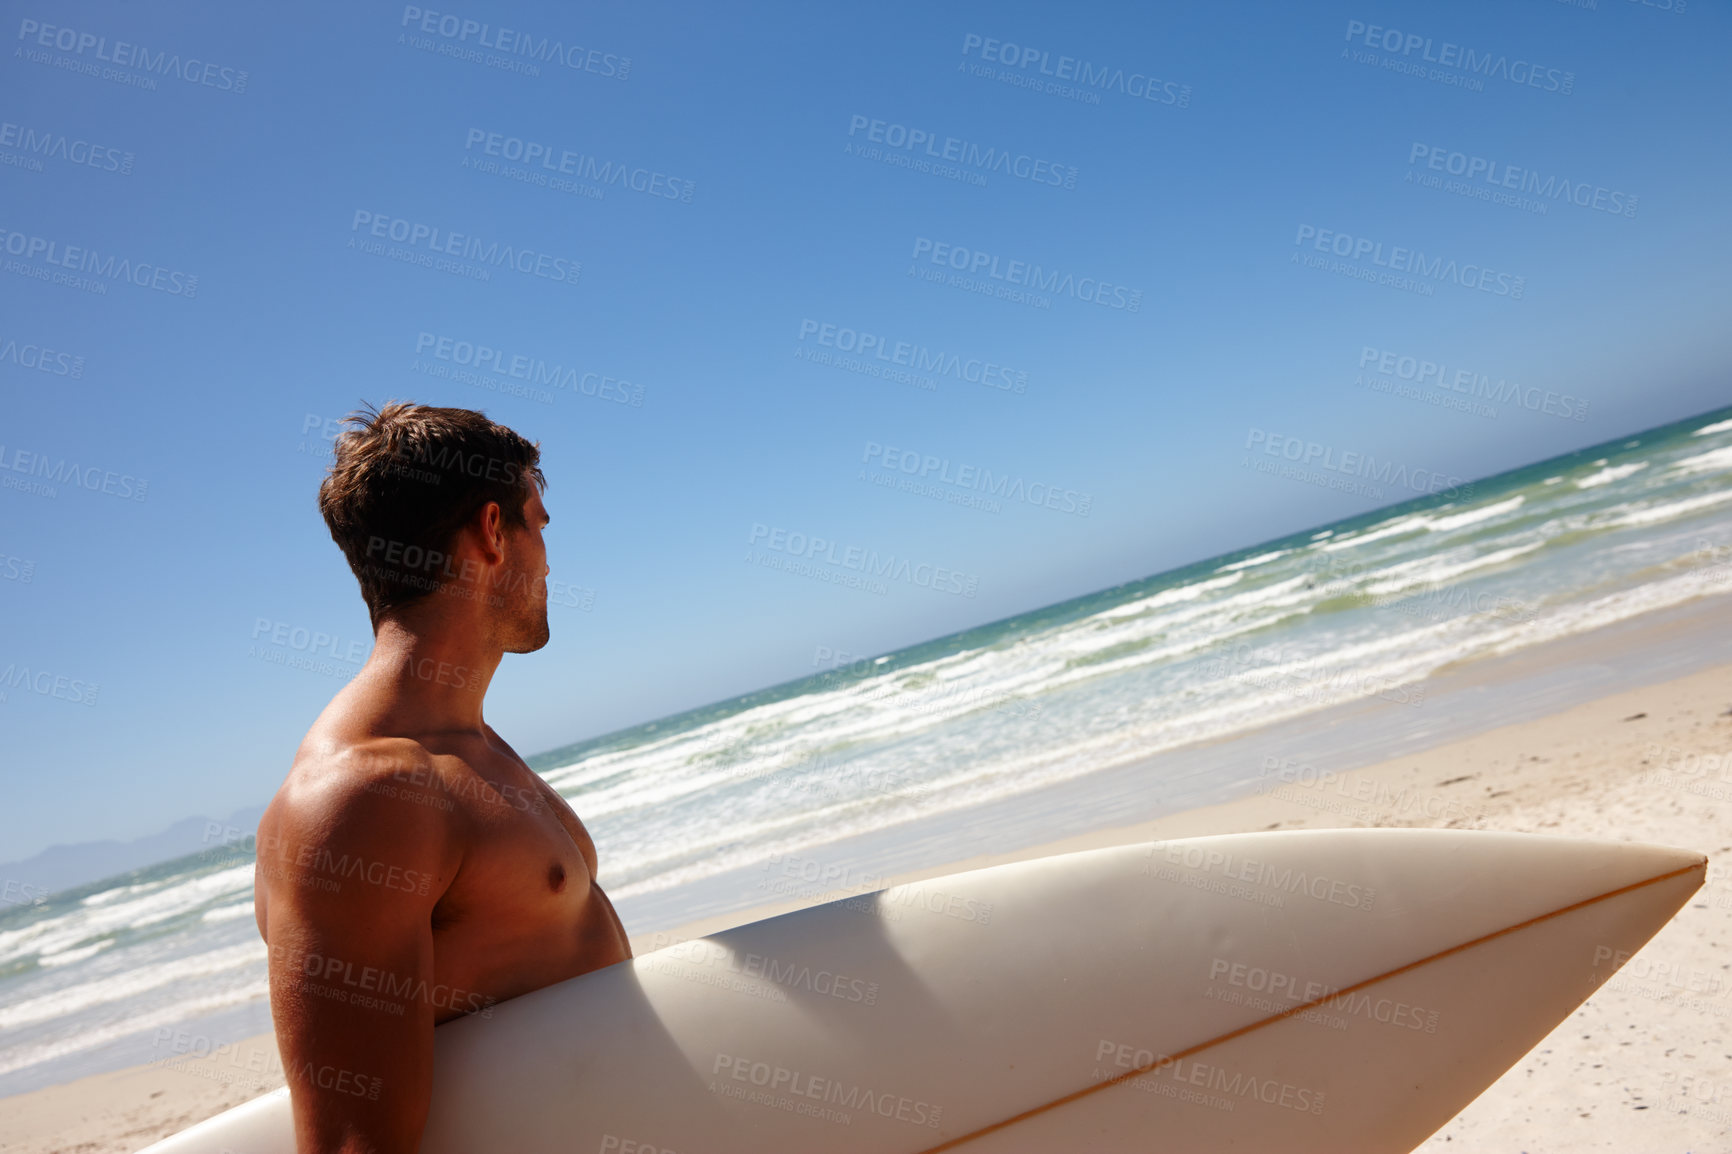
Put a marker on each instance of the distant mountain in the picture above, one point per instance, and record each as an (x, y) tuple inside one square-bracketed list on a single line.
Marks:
[(61, 867)]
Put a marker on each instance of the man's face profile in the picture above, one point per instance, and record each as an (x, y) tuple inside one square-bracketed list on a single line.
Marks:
[(522, 622)]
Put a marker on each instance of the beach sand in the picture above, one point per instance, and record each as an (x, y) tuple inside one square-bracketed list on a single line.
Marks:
[(1645, 1065), (129, 1109)]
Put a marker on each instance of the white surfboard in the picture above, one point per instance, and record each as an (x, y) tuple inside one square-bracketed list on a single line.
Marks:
[(1307, 991)]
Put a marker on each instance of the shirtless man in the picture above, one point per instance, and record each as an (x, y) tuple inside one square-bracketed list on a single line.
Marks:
[(412, 868)]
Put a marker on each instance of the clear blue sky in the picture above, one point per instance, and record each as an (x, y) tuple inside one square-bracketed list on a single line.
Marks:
[(1262, 128)]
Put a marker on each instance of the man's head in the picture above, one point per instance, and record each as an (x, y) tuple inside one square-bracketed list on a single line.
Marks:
[(428, 502)]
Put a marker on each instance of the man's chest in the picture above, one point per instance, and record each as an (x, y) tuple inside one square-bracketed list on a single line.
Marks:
[(525, 849)]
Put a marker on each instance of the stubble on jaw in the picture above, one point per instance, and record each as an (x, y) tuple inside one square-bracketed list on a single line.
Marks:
[(524, 627)]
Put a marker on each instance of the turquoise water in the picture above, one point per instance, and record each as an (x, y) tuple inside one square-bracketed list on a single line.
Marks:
[(1364, 607)]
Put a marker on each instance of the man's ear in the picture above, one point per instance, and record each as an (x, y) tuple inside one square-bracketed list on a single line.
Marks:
[(488, 525), (494, 528)]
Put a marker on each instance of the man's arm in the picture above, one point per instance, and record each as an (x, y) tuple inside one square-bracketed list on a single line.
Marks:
[(350, 878)]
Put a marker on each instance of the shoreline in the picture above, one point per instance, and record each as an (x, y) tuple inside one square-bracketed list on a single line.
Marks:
[(1460, 701), (1617, 1075)]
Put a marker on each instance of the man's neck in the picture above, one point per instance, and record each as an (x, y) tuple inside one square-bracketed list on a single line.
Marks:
[(435, 678)]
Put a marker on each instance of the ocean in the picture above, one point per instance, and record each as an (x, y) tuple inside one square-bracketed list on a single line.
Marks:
[(687, 810)]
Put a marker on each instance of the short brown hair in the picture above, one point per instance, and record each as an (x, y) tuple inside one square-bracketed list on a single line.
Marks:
[(405, 480)]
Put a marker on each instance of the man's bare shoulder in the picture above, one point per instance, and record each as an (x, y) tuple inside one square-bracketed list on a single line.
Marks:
[(336, 772), (345, 796)]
